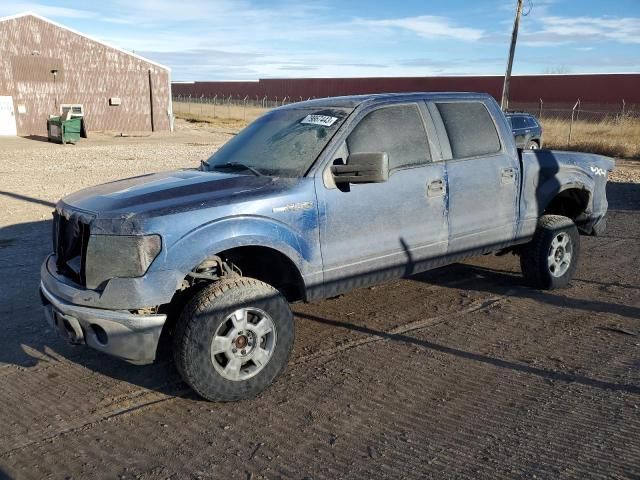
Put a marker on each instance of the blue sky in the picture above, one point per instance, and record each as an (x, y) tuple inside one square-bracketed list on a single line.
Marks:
[(251, 39)]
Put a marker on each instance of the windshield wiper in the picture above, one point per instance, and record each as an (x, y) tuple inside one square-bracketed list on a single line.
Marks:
[(238, 166)]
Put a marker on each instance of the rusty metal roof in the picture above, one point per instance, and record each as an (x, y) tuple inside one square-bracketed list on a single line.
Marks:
[(59, 25)]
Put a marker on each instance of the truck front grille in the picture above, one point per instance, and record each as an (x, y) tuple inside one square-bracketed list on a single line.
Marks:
[(70, 239)]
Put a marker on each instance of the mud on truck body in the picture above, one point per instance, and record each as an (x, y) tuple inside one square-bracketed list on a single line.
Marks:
[(311, 200)]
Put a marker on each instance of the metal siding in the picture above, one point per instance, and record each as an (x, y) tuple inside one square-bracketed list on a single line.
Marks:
[(89, 73), (596, 89)]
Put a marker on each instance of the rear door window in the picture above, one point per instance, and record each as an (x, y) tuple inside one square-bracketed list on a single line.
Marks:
[(470, 128), (397, 130), (520, 122)]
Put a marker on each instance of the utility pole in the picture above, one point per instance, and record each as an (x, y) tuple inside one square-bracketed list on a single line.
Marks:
[(512, 50)]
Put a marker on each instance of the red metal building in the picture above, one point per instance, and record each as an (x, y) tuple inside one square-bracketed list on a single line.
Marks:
[(557, 90), (45, 66)]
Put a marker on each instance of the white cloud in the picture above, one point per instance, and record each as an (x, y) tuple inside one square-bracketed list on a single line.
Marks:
[(44, 10), (427, 26), (236, 13), (558, 29)]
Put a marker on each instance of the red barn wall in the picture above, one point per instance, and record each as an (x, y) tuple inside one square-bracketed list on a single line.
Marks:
[(598, 90)]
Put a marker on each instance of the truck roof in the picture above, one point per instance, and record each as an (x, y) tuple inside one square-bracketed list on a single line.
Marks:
[(353, 101)]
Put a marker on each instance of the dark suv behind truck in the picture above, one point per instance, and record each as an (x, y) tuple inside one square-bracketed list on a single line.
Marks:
[(526, 129)]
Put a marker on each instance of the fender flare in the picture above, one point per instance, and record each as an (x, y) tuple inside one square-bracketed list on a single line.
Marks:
[(567, 178), (548, 192), (241, 231)]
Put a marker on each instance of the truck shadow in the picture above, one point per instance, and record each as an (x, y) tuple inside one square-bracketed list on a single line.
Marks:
[(500, 282), (27, 341), (623, 196)]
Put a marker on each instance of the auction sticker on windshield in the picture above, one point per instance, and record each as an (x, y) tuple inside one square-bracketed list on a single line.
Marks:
[(323, 120)]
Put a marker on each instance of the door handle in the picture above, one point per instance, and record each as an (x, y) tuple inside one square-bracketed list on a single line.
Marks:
[(508, 175), (436, 188)]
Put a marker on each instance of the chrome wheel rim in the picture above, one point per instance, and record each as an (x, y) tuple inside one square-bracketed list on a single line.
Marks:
[(243, 344), (560, 254)]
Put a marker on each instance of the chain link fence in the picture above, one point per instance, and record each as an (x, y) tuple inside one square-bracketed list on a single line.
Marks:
[(228, 107), (612, 129)]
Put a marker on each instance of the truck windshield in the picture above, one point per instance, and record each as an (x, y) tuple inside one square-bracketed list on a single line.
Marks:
[(282, 143)]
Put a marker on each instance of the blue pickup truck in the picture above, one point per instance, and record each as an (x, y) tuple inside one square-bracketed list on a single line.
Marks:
[(310, 200)]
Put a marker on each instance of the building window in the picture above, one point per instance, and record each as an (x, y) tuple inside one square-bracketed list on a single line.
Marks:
[(77, 110)]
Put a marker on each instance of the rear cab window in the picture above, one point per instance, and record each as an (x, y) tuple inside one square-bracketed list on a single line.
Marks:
[(470, 128)]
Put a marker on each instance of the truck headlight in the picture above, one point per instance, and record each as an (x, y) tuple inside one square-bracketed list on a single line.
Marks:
[(124, 256)]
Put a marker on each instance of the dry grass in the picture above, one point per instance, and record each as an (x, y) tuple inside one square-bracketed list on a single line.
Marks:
[(209, 111), (225, 124), (614, 138)]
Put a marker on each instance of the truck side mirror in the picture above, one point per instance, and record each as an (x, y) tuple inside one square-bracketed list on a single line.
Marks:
[(362, 168)]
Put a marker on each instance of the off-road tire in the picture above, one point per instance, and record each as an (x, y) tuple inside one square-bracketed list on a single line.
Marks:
[(200, 320), (534, 257), (533, 145)]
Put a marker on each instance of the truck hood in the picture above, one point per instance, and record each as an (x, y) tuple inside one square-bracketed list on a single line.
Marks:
[(163, 193)]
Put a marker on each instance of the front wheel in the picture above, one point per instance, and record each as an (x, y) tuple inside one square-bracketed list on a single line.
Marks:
[(233, 339), (551, 258), (533, 145)]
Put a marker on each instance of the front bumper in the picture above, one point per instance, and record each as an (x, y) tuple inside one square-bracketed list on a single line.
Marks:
[(120, 333), (154, 288)]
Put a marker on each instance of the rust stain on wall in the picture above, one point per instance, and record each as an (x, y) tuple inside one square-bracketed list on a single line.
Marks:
[(86, 72)]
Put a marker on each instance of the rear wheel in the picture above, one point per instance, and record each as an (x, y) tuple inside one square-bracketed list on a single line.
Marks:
[(533, 145), (550, 259), (233, 339)]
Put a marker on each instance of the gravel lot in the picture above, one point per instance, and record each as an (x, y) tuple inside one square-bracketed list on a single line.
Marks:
[(461, 372)]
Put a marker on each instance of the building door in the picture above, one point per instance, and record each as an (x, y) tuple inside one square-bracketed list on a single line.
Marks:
[(7, 117)]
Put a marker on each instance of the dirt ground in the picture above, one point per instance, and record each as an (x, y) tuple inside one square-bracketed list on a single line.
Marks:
[(461, 372)]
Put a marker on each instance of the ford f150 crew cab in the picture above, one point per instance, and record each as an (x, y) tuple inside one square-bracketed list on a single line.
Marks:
[(310, 200)]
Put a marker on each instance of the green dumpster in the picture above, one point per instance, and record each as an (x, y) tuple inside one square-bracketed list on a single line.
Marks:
[(65, 131)]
